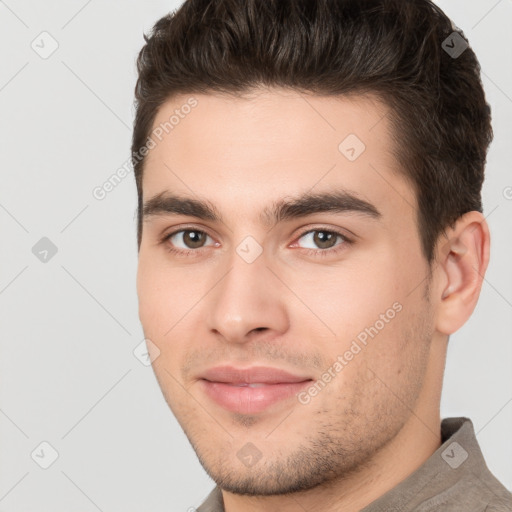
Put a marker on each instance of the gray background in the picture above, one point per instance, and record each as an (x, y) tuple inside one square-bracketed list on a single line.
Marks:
[(69, 325)]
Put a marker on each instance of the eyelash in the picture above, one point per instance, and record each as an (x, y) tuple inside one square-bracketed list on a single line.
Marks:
[(310, 252)]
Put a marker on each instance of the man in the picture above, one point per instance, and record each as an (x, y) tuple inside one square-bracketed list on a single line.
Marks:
[(310, 234)]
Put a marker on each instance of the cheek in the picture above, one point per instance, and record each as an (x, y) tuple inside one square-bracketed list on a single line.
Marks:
[(379, 331), (399, 359), (168, 300), (158, 285), (350, 304), (156, 291)]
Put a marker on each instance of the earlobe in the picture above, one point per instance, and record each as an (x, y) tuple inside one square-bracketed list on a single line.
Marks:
[(462, 263)]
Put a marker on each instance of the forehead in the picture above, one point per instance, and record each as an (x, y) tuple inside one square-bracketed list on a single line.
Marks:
[(244, 153)]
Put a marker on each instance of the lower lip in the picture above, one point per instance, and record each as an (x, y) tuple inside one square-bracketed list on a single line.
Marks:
[(247, 400)]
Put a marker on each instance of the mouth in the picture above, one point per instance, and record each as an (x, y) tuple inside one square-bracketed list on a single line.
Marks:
[(251, 390)]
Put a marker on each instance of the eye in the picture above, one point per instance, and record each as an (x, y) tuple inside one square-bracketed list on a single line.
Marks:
[(190, 240), (326, 240)]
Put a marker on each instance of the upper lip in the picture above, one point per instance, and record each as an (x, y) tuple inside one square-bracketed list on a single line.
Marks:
[(253, 374)]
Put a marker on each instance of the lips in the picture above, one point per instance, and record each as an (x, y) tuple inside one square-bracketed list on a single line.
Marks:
[(253, 375), (250, 390)]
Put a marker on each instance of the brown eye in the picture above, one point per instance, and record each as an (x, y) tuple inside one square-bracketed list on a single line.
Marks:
[(322, 239), (190, 238)]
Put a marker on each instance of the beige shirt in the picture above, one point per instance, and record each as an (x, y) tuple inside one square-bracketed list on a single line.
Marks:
[(454, 479)]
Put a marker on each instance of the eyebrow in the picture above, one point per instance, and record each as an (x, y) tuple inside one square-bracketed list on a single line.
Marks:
[(338, 201)]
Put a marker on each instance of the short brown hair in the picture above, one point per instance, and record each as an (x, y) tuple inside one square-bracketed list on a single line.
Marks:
[(388, 48)]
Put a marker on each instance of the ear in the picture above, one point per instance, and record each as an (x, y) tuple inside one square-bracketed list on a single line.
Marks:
[(462, 261)]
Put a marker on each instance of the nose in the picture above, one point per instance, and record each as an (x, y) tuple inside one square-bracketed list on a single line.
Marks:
[(248, 299)]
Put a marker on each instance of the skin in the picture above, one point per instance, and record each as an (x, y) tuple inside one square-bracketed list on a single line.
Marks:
[(378, 419)]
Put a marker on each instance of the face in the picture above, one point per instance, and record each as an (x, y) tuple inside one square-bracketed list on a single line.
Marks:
[(330, 290)]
